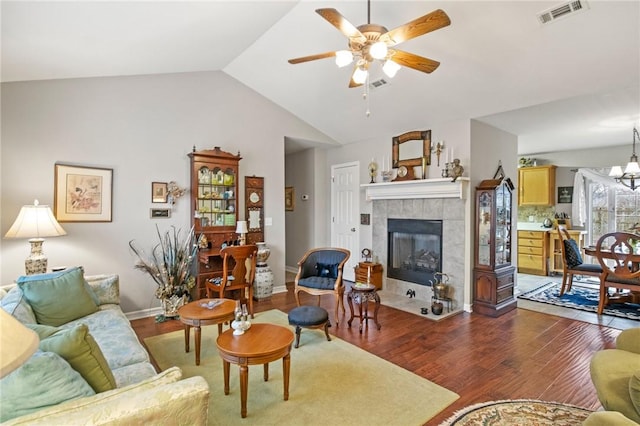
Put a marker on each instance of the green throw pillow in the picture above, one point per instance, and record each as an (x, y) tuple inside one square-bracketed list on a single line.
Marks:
[(59, 297), (43, 381), (80, 350), (634, 390)]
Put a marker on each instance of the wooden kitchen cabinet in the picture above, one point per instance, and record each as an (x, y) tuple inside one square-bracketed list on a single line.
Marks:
[(533, 252), (537, 186)]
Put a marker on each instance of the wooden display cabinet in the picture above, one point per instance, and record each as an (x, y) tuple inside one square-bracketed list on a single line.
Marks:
[(214, 208), (493, 273), (254, 208), (537, 186), (369, 272)]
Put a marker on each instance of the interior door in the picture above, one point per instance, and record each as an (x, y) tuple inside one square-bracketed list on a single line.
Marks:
[(345, 207)]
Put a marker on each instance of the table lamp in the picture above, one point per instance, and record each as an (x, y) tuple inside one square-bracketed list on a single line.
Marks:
[(241, 228), (35, 222), (17, 343)]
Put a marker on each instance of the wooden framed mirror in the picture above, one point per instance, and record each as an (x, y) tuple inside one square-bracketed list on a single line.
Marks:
[(409, 149)]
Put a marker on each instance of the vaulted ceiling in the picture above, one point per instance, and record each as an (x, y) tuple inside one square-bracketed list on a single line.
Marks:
[(572, 83)]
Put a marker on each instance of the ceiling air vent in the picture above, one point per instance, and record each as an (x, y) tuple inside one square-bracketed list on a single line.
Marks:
[(562, 10), (378, 83)]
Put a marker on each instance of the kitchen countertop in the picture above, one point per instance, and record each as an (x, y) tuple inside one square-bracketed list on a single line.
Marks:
[(537, 226)]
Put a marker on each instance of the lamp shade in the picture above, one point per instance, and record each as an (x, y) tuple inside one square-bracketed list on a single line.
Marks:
[(17, 343), (35, 221), (241, 227)]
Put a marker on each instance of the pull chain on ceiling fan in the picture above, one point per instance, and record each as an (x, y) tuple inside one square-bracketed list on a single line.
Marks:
[(370, 42)]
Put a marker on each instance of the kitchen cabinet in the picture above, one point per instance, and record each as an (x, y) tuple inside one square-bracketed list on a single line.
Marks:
[(537, 186), (532, 252), (493, 273)]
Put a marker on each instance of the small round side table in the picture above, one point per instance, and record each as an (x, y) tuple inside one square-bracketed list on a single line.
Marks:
[(198, 313), (361, 295)]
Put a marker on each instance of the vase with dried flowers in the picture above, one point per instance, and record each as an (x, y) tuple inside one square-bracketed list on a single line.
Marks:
[(170, 266)]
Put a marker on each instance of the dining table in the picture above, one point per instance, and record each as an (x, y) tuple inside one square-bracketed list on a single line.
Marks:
[(634, 262)]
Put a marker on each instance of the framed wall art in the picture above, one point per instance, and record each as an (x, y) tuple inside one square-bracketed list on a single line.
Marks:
[(82, 194), (289, 200), (565, 194), (159, 192)]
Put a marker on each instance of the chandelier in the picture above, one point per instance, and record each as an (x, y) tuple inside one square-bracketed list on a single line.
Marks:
[(632, 171)]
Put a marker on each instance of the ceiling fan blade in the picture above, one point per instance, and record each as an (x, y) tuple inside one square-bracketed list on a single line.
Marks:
[(340, 22), (414, 61), (312, 57), (423, 25)]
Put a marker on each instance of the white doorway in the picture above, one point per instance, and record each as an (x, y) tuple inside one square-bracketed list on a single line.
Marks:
[(345, 216)]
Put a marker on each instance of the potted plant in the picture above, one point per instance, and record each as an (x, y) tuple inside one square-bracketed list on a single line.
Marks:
[(169, 265)]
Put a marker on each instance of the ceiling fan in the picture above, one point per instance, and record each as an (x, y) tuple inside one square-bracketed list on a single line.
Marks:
[(370, 42)]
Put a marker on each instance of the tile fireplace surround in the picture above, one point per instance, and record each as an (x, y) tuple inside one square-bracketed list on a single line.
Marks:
[(448, 207)]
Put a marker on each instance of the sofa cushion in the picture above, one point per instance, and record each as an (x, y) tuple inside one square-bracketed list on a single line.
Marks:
[(320, 283), (15, 304), (80, 350), (328, 270), (44, 380), (105, 287), (634, 390), (59, 297)]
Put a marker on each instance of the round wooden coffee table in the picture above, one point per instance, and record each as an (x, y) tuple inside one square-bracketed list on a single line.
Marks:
[(260, 344), (197, 314)]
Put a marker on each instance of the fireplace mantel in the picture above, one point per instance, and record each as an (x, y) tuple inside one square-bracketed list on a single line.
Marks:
[(419, 188)]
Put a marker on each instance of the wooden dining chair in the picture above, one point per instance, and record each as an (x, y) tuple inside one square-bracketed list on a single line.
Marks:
[(238, 274), (572, 263), (620, 267)]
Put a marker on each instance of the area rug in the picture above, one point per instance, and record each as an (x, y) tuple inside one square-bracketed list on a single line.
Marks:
[(580, 297), (520, 412), (331, 383)]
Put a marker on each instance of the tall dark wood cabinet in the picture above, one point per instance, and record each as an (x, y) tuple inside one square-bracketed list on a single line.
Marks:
[(214, 208), (493, 273)]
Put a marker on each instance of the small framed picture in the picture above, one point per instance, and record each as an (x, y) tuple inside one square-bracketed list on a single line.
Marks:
[(565, 194), (289, 199), (159, 192), (365, 219), (160, 213)]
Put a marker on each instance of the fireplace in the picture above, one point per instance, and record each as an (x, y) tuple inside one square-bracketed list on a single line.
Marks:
[(415, 250)]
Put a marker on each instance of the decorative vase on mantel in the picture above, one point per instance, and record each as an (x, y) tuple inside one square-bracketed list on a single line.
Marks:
[(263, 284)]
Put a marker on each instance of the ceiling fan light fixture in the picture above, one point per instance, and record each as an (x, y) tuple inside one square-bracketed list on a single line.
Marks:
[(360, 75), (378, 50), (390, 68), (343, 58)]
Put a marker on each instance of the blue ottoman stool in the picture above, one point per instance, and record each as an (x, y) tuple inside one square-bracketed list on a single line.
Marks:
[(309, 317)]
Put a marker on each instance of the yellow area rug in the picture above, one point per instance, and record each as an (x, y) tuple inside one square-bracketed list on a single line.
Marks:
[(331, 383)]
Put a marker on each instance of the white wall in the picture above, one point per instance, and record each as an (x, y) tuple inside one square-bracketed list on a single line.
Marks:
[(142, 127)]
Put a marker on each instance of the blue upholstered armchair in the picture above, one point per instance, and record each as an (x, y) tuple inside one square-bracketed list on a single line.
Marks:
[(320, 272)]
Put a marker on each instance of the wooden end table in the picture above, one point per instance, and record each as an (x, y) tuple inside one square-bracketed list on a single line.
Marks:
[(361, 294), (196, 315), (260, 344)]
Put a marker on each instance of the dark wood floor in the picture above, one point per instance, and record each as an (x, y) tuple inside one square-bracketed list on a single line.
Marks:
[(522, 354)]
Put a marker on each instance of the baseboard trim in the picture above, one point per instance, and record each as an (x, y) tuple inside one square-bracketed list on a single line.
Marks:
[(145, 313)]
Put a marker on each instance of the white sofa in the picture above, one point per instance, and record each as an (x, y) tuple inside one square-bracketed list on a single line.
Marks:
[(140, 395)]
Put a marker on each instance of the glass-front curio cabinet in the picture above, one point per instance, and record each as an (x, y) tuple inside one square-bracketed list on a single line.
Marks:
[(214, 208), (493, 273)]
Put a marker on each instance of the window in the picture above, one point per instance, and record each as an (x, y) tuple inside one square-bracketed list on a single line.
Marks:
[(611, 208)]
